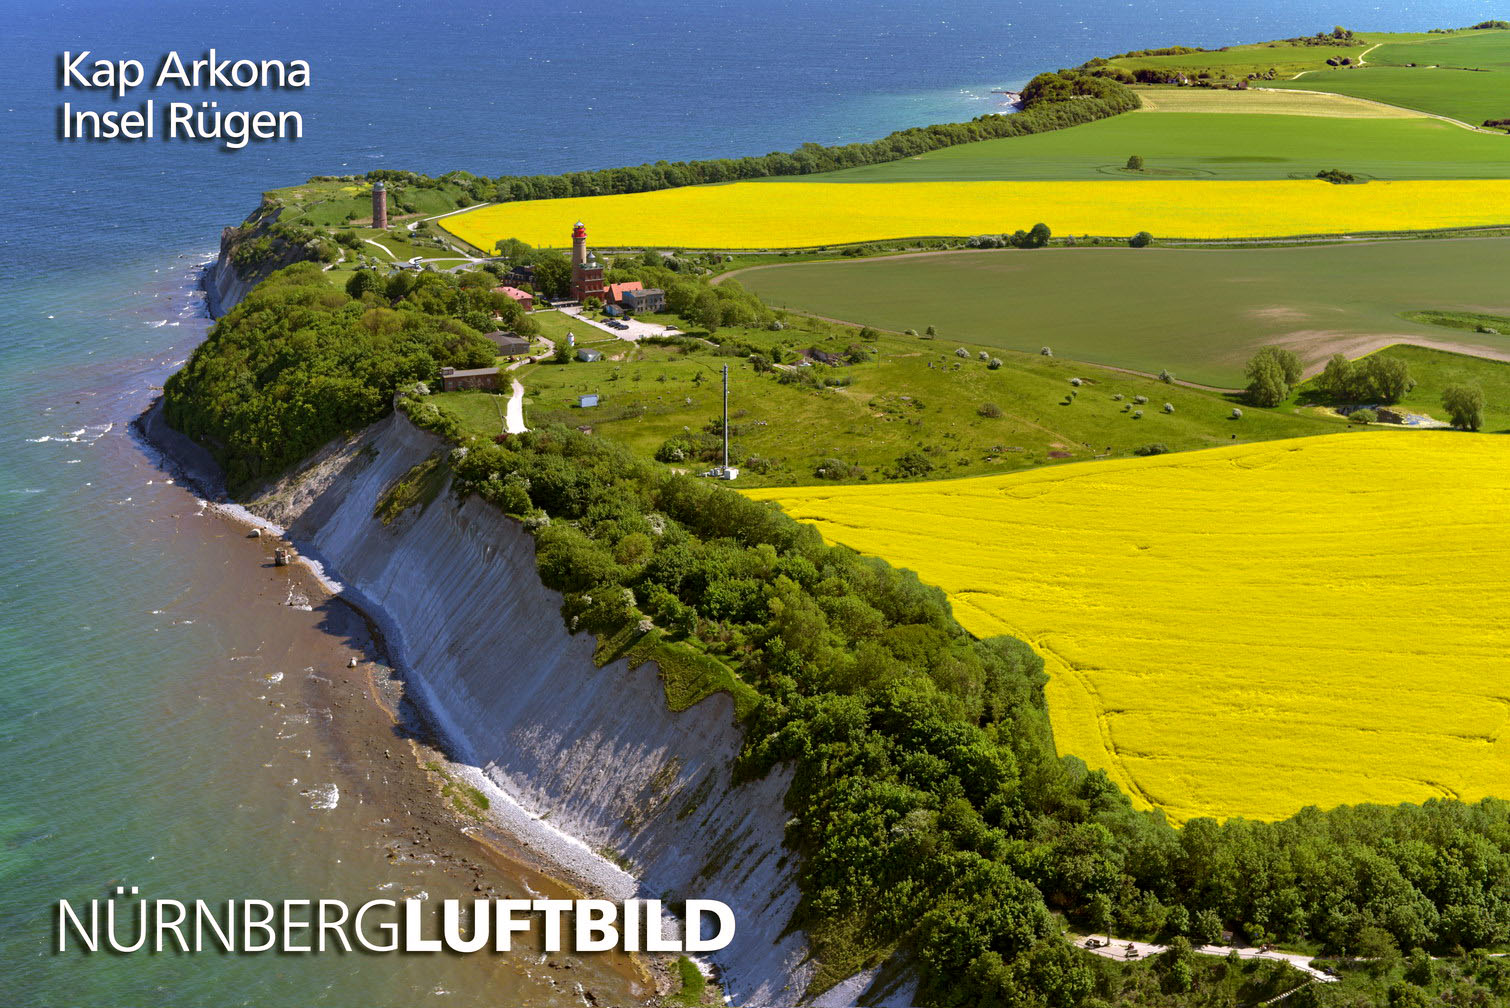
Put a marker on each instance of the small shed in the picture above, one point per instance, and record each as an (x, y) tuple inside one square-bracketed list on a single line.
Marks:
[(588, 354), (612, 311), (587, 400), (453, 380)]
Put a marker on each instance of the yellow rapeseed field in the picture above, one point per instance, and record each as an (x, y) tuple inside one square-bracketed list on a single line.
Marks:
[(803, 214), (1242, 631)]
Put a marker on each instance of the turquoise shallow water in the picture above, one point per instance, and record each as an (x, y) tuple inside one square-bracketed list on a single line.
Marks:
[(138, 730)]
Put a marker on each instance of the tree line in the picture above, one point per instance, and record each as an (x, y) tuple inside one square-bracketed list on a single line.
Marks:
[(1050, 101)]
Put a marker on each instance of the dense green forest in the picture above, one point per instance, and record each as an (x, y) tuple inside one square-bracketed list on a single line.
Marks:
[(930, 808), (299, 362)]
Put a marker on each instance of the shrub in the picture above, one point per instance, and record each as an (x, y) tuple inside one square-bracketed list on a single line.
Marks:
[(1166, 377), (1045, 351), (1140, 400), (1152, 449), (993, 363), (1140, 240), (1237, 414), (1137, 414), (1364, 416), (1169, 407), (989, 410), (1135, 163), (960, 351), (1076, 382)]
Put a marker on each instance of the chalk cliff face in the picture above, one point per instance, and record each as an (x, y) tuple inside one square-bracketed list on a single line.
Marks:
[(593, 753)]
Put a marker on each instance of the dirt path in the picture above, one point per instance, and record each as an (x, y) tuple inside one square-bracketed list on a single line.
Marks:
[(513, 421), (1116, 948), (1371, 101)]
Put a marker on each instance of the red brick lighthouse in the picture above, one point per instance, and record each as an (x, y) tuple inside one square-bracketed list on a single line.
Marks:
[(586, 274), (379, 205)]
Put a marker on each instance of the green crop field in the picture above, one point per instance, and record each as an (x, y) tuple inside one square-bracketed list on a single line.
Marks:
[(1486, 49), (1465, 75), (912, 396), (1466, 95), (1198, 313), (1189, 144)]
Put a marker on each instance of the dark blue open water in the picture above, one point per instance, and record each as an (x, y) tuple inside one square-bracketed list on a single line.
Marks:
[(131, 745)]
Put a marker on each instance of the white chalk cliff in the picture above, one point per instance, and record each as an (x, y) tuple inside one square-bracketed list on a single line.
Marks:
[(592, 753)]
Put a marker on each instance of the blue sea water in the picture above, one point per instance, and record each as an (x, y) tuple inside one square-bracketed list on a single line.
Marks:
[(120, 758)]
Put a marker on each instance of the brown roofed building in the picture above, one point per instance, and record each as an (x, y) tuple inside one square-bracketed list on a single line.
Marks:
[(452, 380)]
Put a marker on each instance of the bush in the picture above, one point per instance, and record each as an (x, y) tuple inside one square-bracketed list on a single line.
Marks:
[(1152, 449), (1169, 407), (1166, 377), (1140, 240), (1137, 414), (1135, 163), (1045, 351), (993, 364), (1140, 399), (1363, 416), (1237, 414), (959, 352), (989, 410), (1076, 382)]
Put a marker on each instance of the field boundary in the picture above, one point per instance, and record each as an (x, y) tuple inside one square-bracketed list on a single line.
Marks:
[(1373, 101)]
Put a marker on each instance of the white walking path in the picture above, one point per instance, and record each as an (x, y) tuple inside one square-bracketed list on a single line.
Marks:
[(1116, 948)]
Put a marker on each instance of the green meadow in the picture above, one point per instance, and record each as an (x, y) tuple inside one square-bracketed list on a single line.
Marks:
[(1467, 95), (1214, 145), (958, 415), (1436, 370), (1464, 75), (1198, 313)]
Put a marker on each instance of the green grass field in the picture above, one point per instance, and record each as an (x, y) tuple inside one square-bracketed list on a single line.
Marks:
[(1465, 75), (1199, 313), (915, 396), (1436, 370), (1239, 61), (1219, 145)]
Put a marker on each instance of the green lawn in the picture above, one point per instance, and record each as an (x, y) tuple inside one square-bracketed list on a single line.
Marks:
[(915, 396), (1465, 75), (1199, 313), (1219, 145)]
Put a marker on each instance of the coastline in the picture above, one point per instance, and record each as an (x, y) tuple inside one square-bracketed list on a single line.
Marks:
[(506, 835)]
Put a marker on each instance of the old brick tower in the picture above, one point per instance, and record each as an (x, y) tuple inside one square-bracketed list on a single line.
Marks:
[(586, 274), (379, 205)]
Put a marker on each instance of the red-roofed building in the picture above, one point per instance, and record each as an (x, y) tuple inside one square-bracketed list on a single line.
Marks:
[(616, 291), (525, 298)]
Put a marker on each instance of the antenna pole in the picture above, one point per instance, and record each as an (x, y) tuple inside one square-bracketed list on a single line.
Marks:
[(726, 419)]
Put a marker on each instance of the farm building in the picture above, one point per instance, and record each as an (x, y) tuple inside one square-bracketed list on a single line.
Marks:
[(588, 354), (453, 380), (508, 344), (650, 300), (525, 299)]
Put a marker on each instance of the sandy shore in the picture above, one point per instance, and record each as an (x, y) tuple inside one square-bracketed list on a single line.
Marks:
[(382, 720)]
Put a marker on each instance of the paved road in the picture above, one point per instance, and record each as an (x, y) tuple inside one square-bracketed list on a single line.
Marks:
[(1116, 948)]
